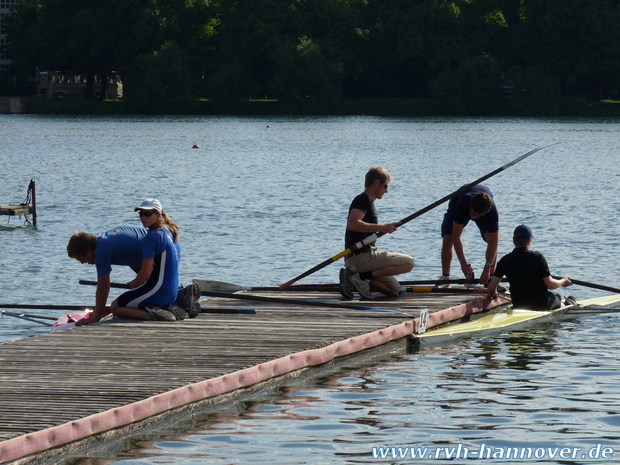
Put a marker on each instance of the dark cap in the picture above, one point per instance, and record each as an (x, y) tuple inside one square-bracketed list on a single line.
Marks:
[(523, 232)]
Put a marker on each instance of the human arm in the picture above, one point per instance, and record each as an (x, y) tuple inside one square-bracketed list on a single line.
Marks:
[(553, 283), (457, 231), (492, 240), (492, 288), (143, 274), (101, 298), (355, 223)]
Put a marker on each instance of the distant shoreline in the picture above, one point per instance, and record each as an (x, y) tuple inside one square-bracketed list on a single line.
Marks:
[(361, 107)]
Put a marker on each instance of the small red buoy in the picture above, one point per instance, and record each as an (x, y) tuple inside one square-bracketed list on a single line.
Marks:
[(196, 146), (268, 127)]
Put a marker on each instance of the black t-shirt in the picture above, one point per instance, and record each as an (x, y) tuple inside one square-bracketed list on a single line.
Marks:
[(459, 207), (525, 270), (364, 203)]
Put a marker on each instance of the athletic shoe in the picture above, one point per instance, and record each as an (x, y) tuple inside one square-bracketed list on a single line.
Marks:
[(192, 294), (362, 286), (345, 287), (154, 313), (443, 277), (570, 300), (178, 312)]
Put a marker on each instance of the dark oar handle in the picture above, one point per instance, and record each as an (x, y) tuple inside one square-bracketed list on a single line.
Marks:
[(373, 237), (592, 285), (94, 283), (313, 303)]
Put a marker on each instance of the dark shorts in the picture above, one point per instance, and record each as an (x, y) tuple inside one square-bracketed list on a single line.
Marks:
[(448, 221)]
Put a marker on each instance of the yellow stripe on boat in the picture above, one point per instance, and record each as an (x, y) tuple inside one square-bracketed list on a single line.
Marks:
[(511, 319)]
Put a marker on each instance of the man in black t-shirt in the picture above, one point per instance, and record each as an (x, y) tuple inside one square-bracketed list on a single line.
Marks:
[(369, 267), (476, 204), (528, 274)]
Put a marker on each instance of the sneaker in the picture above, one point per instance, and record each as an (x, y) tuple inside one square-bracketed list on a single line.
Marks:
[(363, 287), (570, 300), (443, 277), (192, 294), (345, 287), (178, 312), (154, 313)]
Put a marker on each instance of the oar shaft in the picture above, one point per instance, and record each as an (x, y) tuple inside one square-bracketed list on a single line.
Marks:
[(94, 283), (446, 290), (312, 303), (457, 192), (592, 285), (28, 315), (46, 307)]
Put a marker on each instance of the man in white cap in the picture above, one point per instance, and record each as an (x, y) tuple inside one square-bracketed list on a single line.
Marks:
[(528, 274)]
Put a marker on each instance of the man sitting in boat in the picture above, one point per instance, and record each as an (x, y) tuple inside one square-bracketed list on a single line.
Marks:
[(120, 246), (528, 274)]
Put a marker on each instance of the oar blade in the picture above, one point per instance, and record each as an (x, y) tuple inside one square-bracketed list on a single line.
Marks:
[(218, 286)]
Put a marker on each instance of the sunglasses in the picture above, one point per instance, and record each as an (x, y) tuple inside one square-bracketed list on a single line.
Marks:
[(147, 213)]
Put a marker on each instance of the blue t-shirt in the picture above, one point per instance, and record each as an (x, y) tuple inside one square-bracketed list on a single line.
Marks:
[(159, 245), (119, 246)]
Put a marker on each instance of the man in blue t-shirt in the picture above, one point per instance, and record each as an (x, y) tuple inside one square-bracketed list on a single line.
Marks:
[(476, 204), (121, 246)]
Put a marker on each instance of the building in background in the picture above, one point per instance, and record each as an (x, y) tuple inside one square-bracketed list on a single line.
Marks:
[(5, 8)]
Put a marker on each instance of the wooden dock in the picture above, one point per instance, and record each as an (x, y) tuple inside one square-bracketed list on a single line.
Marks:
[(27, 208), (59, 391)]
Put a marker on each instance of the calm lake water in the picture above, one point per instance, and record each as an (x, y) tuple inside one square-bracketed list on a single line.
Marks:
[(264, 199)]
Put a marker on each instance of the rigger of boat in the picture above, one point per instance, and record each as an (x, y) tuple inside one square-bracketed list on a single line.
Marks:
[(255, 336)]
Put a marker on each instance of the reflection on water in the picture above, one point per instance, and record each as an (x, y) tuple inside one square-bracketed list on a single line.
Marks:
[(258, 206), (550, 387)]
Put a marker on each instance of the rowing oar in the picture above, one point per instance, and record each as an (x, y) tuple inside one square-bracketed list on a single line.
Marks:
[(47, 307), (221, 286), (446, 290), (312, 303), (246, 311), (592, 285), (374, 237), (29, 317)]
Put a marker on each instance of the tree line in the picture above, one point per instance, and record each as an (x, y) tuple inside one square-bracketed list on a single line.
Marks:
[(464, 56)]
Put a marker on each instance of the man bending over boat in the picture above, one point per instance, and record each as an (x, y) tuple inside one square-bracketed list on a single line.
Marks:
[(528, 274), (368, 267), (476, 204), (120, 246)]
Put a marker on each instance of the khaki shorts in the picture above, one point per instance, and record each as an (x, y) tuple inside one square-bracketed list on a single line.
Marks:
[(376, 260)]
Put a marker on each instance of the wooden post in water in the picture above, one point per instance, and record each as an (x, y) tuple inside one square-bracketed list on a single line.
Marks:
[(32, 188)]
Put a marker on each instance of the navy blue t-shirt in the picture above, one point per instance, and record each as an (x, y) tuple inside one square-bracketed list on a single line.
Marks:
[(458, 212)]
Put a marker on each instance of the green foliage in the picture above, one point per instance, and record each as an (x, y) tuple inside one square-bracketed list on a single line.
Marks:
[(535, 92), (446, 56), (472, 88), (160, 81)]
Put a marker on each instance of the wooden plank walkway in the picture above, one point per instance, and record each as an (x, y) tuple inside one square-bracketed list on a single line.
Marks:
[(63, 387)]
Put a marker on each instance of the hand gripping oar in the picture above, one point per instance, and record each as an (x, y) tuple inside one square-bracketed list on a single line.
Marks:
[(375, 236), (592, 285)]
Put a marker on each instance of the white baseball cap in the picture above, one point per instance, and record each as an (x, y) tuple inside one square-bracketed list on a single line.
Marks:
[(150, 204)]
